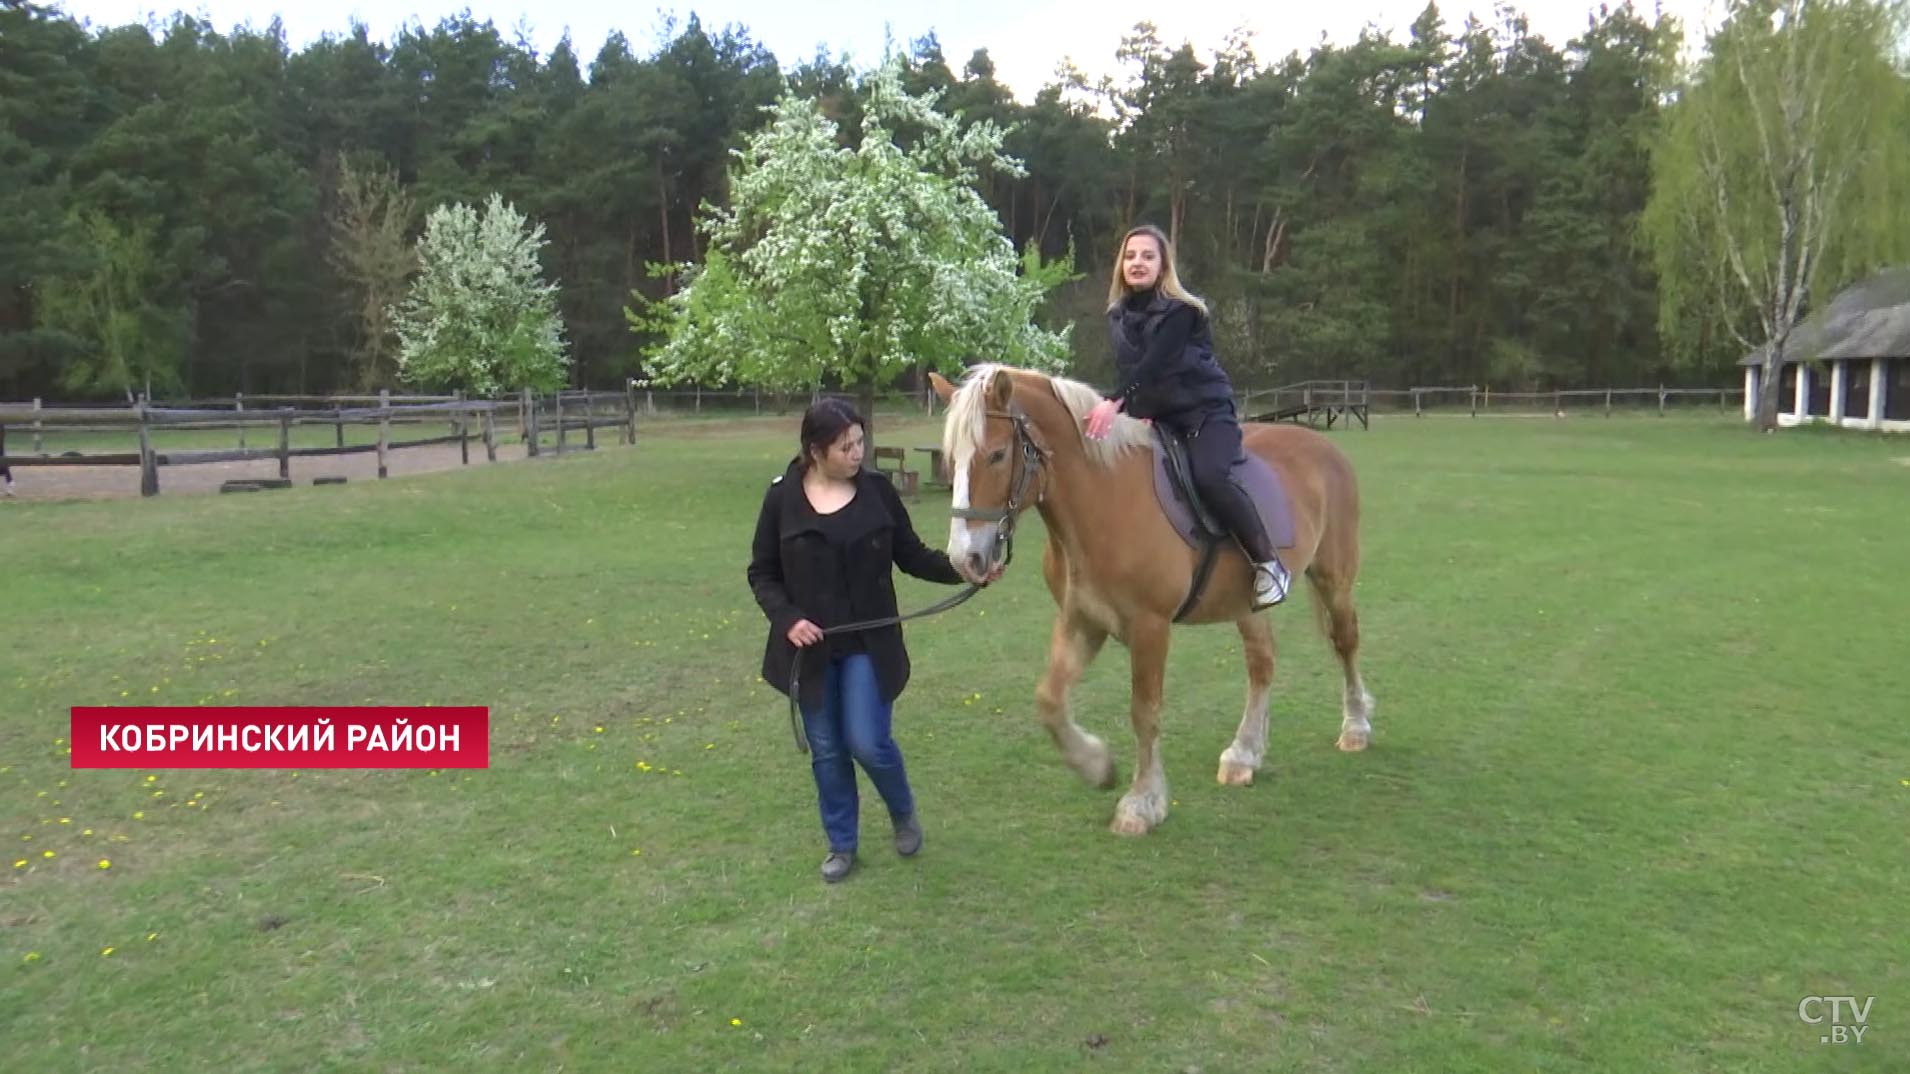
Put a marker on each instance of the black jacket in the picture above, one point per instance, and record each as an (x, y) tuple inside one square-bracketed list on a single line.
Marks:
[(1164, 352), (796, 574)]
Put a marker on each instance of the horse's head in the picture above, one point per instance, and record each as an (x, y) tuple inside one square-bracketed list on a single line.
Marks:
[(996, 461)]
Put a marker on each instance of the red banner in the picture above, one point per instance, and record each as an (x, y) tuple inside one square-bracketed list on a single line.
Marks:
[(297, 737)]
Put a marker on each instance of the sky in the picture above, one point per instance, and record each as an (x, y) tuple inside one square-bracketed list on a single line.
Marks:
[(1026, 39)]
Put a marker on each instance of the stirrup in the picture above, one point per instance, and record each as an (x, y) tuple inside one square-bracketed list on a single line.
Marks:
[(1271, 580)]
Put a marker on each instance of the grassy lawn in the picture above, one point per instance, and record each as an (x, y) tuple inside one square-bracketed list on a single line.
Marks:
[(1640, 783)]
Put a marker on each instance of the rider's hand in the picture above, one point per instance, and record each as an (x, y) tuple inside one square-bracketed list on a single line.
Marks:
[(1101, 418)]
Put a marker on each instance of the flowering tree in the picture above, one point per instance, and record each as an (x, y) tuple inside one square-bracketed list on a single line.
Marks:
[(854, 265), (479, 316)]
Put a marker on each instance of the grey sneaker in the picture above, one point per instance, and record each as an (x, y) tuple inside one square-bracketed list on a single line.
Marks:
[(908, 835), (837, 865), (1270, 583)]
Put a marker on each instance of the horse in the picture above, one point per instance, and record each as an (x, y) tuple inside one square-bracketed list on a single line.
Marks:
[(1116, 567)]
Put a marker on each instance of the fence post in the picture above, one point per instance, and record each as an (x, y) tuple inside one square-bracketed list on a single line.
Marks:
[(1661, 400), (285, 445), (1558, 403), (1417, 413), (527, 421), (557, 402), (338, 416), (384, 430), (630, 408), (240, 397), (463, 427), (590, 421), (38, 447), (1608, 402), (490, 433), (1475, 403), (148, 461)]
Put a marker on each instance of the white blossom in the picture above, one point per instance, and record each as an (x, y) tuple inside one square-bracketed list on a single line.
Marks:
[(479, 314), (855, 263)]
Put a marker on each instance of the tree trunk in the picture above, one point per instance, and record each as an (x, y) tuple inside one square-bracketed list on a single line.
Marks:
[(1769, 389), (663, 213), (865, 399), (1458, 251)]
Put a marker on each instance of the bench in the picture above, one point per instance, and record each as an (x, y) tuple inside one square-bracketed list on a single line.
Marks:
[(907, 481)]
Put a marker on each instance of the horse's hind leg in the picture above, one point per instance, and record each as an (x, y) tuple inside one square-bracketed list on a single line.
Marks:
[(1240, 760), (1071, 648), (1343, 626)]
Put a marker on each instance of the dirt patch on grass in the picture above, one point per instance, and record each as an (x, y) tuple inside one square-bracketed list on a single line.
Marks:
[(122, 482)]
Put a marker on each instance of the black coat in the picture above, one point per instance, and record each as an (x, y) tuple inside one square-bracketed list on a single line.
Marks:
[(1164, 353), (795, 574)]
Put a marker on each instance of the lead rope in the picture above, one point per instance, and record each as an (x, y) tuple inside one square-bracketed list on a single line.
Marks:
[(1004, 539)]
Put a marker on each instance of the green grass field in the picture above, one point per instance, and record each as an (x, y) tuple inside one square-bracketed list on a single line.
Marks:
[(1640, 784)]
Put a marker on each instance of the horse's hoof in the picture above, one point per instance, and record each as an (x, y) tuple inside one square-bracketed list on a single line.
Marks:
[(1352, 741), (1235, 775), (1129, 824)]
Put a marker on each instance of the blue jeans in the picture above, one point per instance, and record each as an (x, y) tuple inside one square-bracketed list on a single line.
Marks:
[(851, 728)]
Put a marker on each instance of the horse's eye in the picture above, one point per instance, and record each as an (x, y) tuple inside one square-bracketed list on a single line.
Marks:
[(995, 457)]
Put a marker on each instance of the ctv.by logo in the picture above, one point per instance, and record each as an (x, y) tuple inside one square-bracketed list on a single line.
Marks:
[(1846, 1017)]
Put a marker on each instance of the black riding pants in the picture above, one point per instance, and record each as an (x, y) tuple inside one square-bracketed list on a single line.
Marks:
[(1213, 451)]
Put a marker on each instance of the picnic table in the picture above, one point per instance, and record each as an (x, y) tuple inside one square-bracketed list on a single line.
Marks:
[(937, 470)]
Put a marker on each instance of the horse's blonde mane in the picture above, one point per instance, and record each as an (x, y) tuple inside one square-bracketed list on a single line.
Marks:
[(964, 428)]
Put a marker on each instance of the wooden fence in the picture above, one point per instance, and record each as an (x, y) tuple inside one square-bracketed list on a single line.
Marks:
[(534, 416), (1309, 400)]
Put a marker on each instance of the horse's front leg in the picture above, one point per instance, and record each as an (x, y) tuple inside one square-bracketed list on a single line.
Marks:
[(1145, 803), (1071, 649)]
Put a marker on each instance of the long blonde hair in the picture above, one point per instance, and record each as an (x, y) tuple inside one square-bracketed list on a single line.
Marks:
[(1169, 284)]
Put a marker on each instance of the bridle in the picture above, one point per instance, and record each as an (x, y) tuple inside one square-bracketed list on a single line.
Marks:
[(1030, 458)]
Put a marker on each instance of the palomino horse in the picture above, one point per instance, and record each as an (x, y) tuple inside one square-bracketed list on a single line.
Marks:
[(1116, 567)]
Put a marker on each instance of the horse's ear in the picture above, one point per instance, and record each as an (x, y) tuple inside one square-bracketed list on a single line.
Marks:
[(941, 385), (1001, 387)]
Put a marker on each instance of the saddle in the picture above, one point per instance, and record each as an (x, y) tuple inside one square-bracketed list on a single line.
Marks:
[(1191, 518)]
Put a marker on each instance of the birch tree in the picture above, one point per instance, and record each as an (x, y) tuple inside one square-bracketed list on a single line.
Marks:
[(1778, 174)]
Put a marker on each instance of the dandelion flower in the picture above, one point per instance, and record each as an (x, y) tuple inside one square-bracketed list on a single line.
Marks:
[(104, 864), (46, 854), (21, 864), (32, 956), (736, 1022), (107, 952)]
